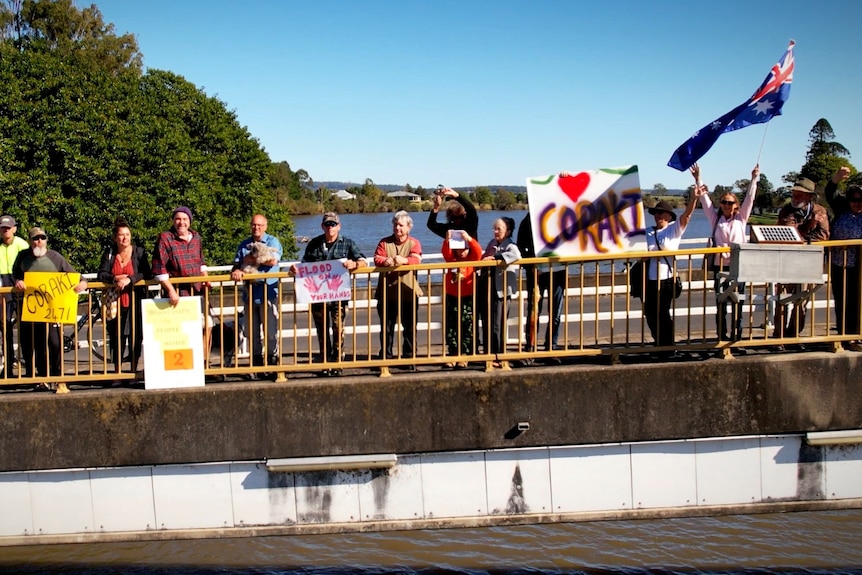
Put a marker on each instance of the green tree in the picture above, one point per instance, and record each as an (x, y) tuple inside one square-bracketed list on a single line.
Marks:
[(482, 196), (58, 26), (824, 155), (659, 190), (81, 145), (505, 200)]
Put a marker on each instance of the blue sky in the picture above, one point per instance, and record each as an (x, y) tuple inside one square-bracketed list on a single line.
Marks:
[(472, 92)]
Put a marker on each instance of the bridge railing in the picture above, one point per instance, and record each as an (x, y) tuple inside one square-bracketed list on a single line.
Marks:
[(597, 319)]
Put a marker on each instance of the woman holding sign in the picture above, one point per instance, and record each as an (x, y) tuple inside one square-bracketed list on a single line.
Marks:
[(123, 265), (40, 340)]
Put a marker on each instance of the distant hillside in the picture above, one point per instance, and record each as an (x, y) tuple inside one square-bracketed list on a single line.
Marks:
[(493, 187), (395, 187)]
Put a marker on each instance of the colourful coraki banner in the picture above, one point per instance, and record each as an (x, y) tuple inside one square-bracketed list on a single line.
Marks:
[(591, 212)]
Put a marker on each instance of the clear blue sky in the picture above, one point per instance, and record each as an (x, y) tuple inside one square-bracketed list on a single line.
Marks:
[(470, 92)]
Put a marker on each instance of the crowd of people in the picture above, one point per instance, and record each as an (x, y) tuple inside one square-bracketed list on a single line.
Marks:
[(477, 300)]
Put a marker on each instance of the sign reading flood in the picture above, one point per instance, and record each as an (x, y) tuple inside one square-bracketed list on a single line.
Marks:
[(319, 282)]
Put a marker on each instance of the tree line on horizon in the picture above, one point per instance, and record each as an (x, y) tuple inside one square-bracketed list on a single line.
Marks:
[(87, 136)]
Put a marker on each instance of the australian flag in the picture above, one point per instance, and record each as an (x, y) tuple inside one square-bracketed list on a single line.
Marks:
[(765, 104)]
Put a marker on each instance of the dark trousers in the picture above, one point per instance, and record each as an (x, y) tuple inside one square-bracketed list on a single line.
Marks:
[(329, 323), (459, 324), (555, 284), (7, 324), (656, 305), (727, 331), (847, 294), (120, 327), (43, 340), (791, 324), (397, 306), (492, 312)]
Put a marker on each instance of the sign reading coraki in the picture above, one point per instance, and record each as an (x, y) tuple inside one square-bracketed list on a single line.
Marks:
[(50, 297), (590, 212)]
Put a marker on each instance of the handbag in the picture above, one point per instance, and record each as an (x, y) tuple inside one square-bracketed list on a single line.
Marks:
[(111, 304), (636, 279), (709, 259)]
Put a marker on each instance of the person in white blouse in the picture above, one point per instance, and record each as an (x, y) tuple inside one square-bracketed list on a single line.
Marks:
[(659, 288), (728, 225)]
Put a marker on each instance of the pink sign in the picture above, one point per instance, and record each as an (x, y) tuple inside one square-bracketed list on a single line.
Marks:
[(319, 282)]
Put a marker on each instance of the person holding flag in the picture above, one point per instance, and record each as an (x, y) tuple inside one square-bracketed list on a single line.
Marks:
[(764, 104)]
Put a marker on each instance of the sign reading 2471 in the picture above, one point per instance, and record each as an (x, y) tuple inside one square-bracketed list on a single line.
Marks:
[(50, 297)]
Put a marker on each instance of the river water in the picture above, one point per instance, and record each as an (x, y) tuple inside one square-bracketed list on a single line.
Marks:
[(809, 542)]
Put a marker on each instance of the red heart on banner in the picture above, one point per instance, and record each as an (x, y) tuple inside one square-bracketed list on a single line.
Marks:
[(574, 186)]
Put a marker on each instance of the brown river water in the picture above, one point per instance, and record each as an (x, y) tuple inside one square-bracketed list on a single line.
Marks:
[(808, 542)]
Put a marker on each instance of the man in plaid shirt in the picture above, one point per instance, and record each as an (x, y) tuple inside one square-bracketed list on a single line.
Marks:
[(329, 317)]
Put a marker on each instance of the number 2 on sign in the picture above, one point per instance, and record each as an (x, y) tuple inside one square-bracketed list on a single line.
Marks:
[(178, 359)]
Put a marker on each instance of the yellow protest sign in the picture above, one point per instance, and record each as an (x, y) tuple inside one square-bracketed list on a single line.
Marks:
[(50, 297)]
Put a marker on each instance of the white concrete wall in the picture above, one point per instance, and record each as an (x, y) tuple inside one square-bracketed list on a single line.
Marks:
[(523, 482)]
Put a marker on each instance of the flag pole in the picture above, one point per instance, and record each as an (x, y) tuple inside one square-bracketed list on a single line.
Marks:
[(763, 141)]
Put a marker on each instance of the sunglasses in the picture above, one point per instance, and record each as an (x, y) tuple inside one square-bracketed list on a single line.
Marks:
[(39, 238), (856, 200), (330, 224), (727, 202)]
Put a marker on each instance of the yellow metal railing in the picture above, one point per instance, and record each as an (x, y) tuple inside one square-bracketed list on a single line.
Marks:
[(597, 318)]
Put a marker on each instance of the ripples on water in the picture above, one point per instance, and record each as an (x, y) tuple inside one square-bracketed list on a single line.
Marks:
[(823, 542)]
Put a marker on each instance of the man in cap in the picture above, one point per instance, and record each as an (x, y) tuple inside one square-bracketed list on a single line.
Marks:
[(10, 247), (262, 308), (812, 222), (34, 334), (329, 317)]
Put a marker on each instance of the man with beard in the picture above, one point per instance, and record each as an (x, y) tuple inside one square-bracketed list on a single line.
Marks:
[(35, 334), (811, 221)]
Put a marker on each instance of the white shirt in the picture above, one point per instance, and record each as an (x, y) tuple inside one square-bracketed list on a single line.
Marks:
[(668, 239)]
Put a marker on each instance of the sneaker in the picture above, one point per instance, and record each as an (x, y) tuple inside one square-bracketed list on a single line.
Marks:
[(461, 365), (450, 364), (854, 346)]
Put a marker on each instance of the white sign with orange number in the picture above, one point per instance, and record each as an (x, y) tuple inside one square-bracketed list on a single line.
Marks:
[(173, 343)]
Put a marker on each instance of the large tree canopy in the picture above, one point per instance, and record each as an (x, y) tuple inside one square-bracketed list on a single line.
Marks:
[(82, 142), (824, 155)]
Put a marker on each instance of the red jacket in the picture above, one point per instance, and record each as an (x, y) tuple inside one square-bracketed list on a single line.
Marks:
[(459, 281)]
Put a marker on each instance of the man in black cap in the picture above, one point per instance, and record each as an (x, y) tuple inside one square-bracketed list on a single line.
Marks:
[(329, 317), (812, 222), (46, 360), (10, 247)]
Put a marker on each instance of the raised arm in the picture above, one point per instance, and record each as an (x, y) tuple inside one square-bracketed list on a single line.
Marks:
[(748, 202)]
